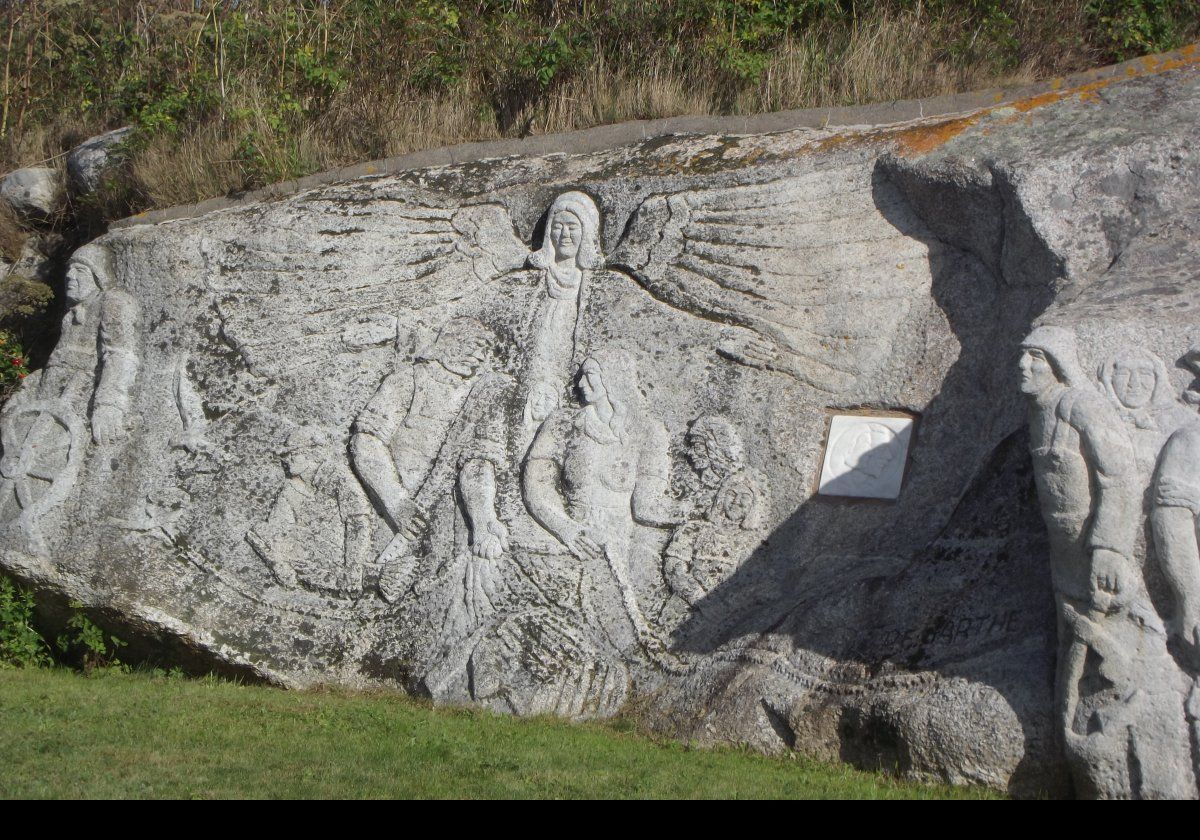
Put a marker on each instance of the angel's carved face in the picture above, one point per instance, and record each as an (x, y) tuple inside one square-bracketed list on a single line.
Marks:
[(566, 233)]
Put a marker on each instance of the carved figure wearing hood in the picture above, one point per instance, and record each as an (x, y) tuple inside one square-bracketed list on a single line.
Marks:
[(1121, 717), (1137, 384), (91, 372)]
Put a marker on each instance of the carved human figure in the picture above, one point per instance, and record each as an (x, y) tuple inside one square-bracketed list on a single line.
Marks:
[(398, 437), (703, 553), (567, 259), (318, 533), (609, 457), (1112, 710), (1174, 515), (1137, 383), (91, 371)]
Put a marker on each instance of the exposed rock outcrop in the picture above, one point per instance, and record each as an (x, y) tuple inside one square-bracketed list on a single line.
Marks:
[(545, 434)]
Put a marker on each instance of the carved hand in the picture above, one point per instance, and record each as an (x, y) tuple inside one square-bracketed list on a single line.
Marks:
[(107, 424), (492, 542), (747, 348), (587, 546), (413, 522), (480, 586)]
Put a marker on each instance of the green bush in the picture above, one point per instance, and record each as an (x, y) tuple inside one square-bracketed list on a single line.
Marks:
[(1129, 28), (21, 646), (86, 645)]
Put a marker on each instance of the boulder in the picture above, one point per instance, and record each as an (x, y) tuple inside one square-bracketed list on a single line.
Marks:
[(32, 192), (871, 442), (88, 162)]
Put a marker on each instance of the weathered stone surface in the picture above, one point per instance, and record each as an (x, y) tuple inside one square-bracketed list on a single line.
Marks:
[(32, 192), (88, 162), (545, 434)]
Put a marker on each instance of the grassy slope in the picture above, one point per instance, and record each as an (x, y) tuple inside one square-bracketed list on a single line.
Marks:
[(132, 735)]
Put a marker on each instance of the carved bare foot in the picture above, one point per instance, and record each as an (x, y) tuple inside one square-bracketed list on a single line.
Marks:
[(1109, 578), (107, 424)]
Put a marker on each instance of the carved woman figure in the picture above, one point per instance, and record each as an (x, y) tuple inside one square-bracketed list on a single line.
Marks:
[(1137, 384), (610, 459)]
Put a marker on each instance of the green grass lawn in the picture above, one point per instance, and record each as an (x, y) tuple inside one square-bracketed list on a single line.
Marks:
[(135, 735)]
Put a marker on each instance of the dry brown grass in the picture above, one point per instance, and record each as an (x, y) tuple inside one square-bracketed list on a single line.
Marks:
[(381, 108), (884, 59)]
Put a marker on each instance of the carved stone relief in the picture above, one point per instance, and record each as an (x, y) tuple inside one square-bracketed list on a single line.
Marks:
[(89, 376), (543, 434), (1121, 694)]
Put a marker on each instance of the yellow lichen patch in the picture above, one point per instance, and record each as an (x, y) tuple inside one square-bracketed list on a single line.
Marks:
[(918, 141), (926, 138)]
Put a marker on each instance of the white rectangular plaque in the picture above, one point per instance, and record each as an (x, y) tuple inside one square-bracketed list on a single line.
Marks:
[(865, 456)]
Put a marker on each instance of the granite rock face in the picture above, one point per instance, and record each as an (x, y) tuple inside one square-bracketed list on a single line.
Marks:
[(88, 162), (31, 192), (546, 434)]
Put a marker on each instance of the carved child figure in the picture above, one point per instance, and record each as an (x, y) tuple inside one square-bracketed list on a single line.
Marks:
[(704, 553), (1137, 383), (318, 534)]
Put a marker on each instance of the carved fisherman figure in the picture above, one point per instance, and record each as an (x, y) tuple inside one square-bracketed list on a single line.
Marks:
[(1119, 704), (92, 370), (402, 433), (318, 534)]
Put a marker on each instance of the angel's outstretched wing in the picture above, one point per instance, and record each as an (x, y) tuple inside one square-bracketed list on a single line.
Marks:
[(807, 267), (300, 282)]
